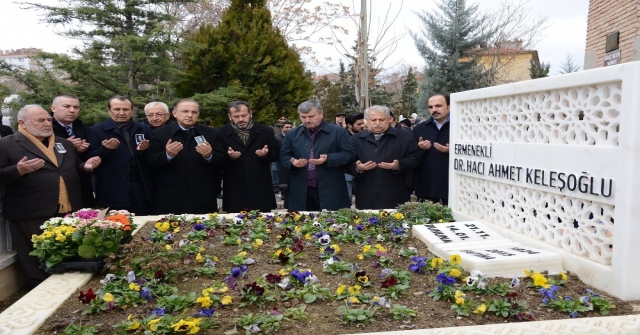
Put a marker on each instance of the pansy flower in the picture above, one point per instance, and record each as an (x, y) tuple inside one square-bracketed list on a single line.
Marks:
[(86, 298), (444, 279), (324, 239), (391, 281)]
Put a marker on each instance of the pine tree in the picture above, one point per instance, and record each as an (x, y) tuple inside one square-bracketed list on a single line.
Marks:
[(328, 94), (569, 65), (127, 52), (450, 47), (347, 90), (538, 71), (408, 96), (244, 50)]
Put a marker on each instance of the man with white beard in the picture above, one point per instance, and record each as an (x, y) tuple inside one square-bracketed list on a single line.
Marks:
[(41, 175)]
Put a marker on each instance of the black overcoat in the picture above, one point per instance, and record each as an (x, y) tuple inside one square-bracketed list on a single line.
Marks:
[(112, 176), (186, 184), (246, 181), (432, 175), (331, 140), (381, 188)]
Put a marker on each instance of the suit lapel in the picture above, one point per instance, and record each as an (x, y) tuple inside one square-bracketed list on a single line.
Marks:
[(253, 134), (24, 142), (233, 135)]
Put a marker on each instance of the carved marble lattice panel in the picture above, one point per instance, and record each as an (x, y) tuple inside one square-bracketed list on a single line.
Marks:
[(580, 227), (586, 115)]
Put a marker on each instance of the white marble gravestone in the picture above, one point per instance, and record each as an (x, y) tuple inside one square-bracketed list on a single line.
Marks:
[(481, 248)]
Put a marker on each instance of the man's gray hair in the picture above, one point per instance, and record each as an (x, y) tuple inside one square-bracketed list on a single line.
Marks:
[(155, 103), (377, 108), (22, 113), (309, 105)]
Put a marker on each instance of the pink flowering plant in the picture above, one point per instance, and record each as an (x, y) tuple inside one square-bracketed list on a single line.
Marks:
[(81, 234)]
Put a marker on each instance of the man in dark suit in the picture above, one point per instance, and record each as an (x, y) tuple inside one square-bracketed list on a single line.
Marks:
[(123, 179), (40, 172), (185, 154), (246, 171), (65, 109)]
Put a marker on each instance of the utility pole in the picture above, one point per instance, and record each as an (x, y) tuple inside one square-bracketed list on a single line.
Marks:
[(363, 57)]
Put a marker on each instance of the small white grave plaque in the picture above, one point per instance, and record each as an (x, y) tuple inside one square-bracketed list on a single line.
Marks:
[(456, 234), (508, 260)]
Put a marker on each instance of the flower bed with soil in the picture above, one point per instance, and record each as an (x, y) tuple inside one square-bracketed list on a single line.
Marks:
[(331, 272)]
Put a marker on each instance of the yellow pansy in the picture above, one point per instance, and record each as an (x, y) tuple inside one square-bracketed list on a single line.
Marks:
[(354, 300), (297, 217), (354, 290), (168, 247), (242, 253), (307, 236), (540, 280), (287, 251), (134, 287), (201, 249), (176, 230), (277, 253), (563, 275), (455, 259), (340, 289), (398, 216), (108, 297), (282, 272), (297, 228), (227, 299), (278, 219), (528, 273), (381, 248), (223, 289), (441, 220), (436, 261), (360, 256), (257, 243), (336, 248), (204, 300), (480, 309), (199, 258), (153, 324), (455, 272), (366, 248)]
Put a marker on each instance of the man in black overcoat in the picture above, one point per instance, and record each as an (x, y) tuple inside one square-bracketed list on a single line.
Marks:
[(432, 175), (384, 156), (41, 175), (184, 155), (65, 109), (246, 171)]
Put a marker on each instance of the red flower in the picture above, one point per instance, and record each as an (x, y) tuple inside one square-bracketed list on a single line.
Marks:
[(253, 288), (273, 279), (86, 298), (297, 247), (391, 281)]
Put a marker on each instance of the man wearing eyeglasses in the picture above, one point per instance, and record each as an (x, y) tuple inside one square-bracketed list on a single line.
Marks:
[(184, 155), (157, 114)]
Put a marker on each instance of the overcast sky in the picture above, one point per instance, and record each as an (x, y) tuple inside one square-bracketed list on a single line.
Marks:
[(21, 28)]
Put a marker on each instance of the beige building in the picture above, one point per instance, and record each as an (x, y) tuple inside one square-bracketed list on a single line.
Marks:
[(608, 17)]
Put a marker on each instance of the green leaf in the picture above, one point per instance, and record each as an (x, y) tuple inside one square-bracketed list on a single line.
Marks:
[(86, 251), (309, 298)]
